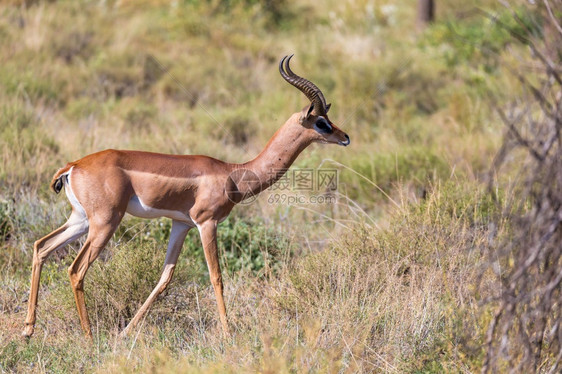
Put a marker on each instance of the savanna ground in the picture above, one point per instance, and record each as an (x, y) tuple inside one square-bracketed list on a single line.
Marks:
[(393, 277)]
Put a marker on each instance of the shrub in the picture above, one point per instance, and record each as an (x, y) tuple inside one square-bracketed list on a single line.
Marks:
[(524, 333), (424, 263)]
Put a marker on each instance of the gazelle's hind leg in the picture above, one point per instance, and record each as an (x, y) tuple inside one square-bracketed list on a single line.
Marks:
[(76, 226), (98, 236)]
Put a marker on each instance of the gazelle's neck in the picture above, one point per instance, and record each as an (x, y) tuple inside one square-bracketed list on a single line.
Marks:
[(277, 156)]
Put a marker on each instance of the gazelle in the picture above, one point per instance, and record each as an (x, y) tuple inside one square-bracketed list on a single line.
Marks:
[(191, 190)]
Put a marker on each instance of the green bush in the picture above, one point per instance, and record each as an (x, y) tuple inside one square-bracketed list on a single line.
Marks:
[(245, 245), (479, 39)]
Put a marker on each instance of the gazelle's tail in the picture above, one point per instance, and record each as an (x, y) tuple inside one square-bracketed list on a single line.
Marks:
[(57, 183)]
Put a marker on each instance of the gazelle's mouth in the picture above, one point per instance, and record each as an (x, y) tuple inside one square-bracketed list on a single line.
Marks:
[(345, 143)]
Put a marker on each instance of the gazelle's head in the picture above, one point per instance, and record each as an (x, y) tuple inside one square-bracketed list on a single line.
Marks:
[(314, 118)]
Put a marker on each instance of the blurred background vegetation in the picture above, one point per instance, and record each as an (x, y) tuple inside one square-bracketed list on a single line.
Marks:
[(394, 277)]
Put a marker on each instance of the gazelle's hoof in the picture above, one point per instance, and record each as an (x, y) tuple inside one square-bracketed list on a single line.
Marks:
[(27, 331)]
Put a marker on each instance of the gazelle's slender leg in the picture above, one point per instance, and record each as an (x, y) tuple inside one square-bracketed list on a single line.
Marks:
[(98, 236), (75, 227), (208, 232), (177, 237)]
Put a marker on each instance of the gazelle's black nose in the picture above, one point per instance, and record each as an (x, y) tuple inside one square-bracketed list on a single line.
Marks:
[(346, 143)]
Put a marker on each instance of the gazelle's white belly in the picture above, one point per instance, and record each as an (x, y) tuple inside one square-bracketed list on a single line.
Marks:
[(138, 209)]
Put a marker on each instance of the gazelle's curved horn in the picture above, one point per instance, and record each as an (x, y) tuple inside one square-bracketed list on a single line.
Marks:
[(308, 88)]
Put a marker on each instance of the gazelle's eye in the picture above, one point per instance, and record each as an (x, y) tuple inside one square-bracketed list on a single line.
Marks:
[(322, 126)]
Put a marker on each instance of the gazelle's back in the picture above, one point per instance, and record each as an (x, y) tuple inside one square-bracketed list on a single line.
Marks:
[(141, 177)]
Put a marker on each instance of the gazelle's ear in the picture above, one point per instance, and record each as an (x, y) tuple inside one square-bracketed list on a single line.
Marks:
[(328, 108), (310, 109), (306, 112)]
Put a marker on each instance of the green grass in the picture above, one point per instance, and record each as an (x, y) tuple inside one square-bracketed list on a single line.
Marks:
[(388, 279)]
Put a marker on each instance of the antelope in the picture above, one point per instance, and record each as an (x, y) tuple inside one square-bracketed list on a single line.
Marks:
[(192, 190)]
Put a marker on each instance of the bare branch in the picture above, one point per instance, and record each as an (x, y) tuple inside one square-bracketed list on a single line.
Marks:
[(552, 18)]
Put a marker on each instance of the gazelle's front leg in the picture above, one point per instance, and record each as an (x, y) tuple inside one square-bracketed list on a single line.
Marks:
[(177, 237), (208, 232)]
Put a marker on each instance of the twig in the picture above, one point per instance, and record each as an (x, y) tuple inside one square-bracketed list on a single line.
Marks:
[(552, 18)]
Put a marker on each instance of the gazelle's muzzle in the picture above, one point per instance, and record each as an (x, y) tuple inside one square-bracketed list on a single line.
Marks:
[(338, 136), (345, 142)]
